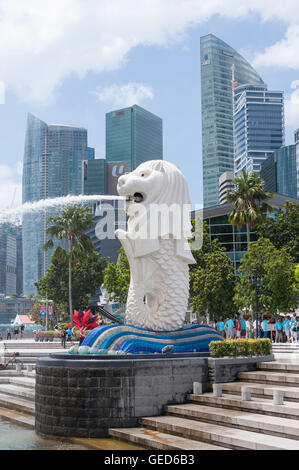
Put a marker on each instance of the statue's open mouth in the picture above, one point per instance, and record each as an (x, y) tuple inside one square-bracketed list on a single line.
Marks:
[(138, 197)]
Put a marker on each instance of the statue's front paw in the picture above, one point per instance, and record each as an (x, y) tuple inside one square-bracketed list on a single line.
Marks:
[(121, 234)]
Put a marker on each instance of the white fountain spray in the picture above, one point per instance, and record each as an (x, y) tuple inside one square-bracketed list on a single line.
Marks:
[(15, 215)]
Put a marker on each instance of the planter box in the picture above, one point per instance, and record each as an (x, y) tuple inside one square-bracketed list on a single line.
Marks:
[(226, 369)]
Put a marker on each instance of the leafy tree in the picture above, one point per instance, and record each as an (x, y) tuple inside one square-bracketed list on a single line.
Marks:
[(212, 284), (212, 279), (87, 275), (249, 200), (282, 229), (117, 278), (278, 290), (70, 227)]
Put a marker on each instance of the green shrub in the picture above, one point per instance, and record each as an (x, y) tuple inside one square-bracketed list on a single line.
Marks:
[(241, 347)]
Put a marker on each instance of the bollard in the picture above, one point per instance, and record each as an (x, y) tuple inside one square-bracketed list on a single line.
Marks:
[(217, 390), (18, 366), (278, 397), (197, 388), (246, 394)]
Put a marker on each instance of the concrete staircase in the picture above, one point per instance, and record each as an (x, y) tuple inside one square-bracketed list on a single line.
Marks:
[(227, 422), (17, 382)]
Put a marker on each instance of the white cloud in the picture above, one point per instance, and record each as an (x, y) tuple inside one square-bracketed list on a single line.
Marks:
[(43, 43), (121, 96), (11, 186), (282, 54), (292, 106)]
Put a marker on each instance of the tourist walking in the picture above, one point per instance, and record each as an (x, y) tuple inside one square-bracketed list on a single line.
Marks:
[(243, 328), (238, 328), (265, 327), (229, 325), (293, 330), (22, 330), (8, 333), (248, 328), (63, 337), (16, 332), (286, 328), (278, 331), (220, 327)]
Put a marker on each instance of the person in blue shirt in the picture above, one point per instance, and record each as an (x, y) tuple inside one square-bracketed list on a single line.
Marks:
[(243, 328), (220, 327), (286, 328), (293, 329), (265, 327), (278, 331), (229, 328)]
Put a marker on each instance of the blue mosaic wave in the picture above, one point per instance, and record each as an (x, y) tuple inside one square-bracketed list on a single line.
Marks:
[(134, 340)]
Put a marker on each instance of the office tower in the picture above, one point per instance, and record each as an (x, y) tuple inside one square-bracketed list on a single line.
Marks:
[(279, 171), (258, 125), (8, 259), (52, 168), (94, 176), (225, 185), (217, 60), (90, 153), (133, 135), (297, 159)]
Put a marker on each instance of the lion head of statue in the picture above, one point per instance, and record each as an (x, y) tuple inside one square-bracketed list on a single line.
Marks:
[(152, 188), (154, 182)]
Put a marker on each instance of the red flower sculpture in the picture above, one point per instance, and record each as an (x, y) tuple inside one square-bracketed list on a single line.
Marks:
[(85, 321)]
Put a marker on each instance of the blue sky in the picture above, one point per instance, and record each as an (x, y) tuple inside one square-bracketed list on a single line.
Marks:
[(62, 70)]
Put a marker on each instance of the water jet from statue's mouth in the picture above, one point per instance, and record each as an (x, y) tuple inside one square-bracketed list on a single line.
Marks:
[(138, 197)]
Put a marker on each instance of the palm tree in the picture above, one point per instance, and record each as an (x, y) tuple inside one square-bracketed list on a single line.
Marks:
[(69, 227), (249, 200)]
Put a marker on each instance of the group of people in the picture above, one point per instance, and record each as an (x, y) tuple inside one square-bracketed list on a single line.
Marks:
[(279, 330), (16, 331)]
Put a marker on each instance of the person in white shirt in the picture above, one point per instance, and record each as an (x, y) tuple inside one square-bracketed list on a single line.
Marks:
[(248, 328)]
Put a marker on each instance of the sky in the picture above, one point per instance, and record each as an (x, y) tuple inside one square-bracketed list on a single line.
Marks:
[(72, 61)]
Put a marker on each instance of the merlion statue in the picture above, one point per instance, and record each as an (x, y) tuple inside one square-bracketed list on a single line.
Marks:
[(156, 244)]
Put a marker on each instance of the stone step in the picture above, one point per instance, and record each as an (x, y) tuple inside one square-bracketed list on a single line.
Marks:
[(18, 418), (279, 378), (159, 440), (28, 382), (33, 344), (218, 435), (278, 366), (17, 404), (17, 391), (245, 420), (256, 405), (15, 373), (264, 390)]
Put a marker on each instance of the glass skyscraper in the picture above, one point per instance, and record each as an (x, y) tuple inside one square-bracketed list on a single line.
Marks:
[(52, 167), (279, 171), (258, 126), (133, 136), (217, 60)]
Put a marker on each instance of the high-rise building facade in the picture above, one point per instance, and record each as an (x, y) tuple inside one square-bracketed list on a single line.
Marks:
[(52, 168), (217, 60), (279, 171), (8, 259), (225, 185), (258, 126), (297, 159), (133, 136)]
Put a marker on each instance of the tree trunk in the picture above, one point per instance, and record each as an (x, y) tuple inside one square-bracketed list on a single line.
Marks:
[(248, 236), (70, 292)]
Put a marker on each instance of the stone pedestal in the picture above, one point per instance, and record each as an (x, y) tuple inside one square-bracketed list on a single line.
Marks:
[(84, 396)]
